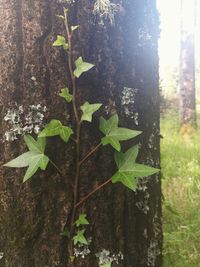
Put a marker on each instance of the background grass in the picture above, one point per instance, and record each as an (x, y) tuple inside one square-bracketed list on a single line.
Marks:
[(180, 160)]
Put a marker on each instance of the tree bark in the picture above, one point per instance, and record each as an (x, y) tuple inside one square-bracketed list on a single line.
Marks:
[(125, 79), (187, 114)]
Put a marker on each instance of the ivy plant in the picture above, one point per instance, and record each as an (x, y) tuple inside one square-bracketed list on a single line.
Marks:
[(35, 158)]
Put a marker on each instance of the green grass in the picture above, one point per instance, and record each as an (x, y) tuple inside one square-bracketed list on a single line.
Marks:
[(180, 160)]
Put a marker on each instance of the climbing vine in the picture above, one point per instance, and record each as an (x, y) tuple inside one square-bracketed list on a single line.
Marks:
[(127, 170)]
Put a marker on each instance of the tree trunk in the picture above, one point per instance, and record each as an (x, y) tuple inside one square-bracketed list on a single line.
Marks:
[(125, 79), (187, 112)]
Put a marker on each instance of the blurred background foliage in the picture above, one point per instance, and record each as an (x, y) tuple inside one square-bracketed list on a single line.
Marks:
[(180, 148)]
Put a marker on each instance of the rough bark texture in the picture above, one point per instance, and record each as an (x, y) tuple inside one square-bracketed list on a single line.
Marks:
[(187, 73), (32, 215)]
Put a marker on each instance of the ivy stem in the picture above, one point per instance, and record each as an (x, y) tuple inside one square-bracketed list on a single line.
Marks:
[(90, 153), (75, 192), (74, 140), (73, 78), (77, 176), (77, 139), (92, 192), (60, 172), (56, 167)]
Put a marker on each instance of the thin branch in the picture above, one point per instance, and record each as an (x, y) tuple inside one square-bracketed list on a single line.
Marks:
[(56, 167), (60, 172), (77, 140), (70, 64), (90, 153), (73, 139), (92, 192)]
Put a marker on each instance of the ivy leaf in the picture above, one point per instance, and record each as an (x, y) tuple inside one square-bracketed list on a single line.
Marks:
[(72, 258), (128, 169), (54, 128), (88, 110), (81, 220), (109, 140), (33, 159), (74, 27), (81, 67), (33, 145), (107, 264), (60, 41), (113, 133), (21, 161), (80, 238), (107, 125), (66, 95), (126, 178), (122, 159), (36, 161)]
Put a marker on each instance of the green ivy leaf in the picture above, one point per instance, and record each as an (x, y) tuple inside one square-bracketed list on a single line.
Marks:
[(33, 145), (128, 169), (60, 41), (33, 159), (72, 258), (81, 67), (21, 161), (74, 27), (81, 220), (122, 159), (106, 126), (54, 128), (66, 95), (126, 178), (36, 161), (113, 133), (80, 238), (109, 140), (88, 110), (107, 264)]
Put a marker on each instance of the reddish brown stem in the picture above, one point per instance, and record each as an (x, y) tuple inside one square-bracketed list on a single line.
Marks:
[(77, 140), (70, 65), (92, 192), (57, 169), (90, 153)]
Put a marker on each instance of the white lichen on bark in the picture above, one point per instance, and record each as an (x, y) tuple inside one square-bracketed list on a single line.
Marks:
[(105, 257), (21, 123), (105, 9)]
